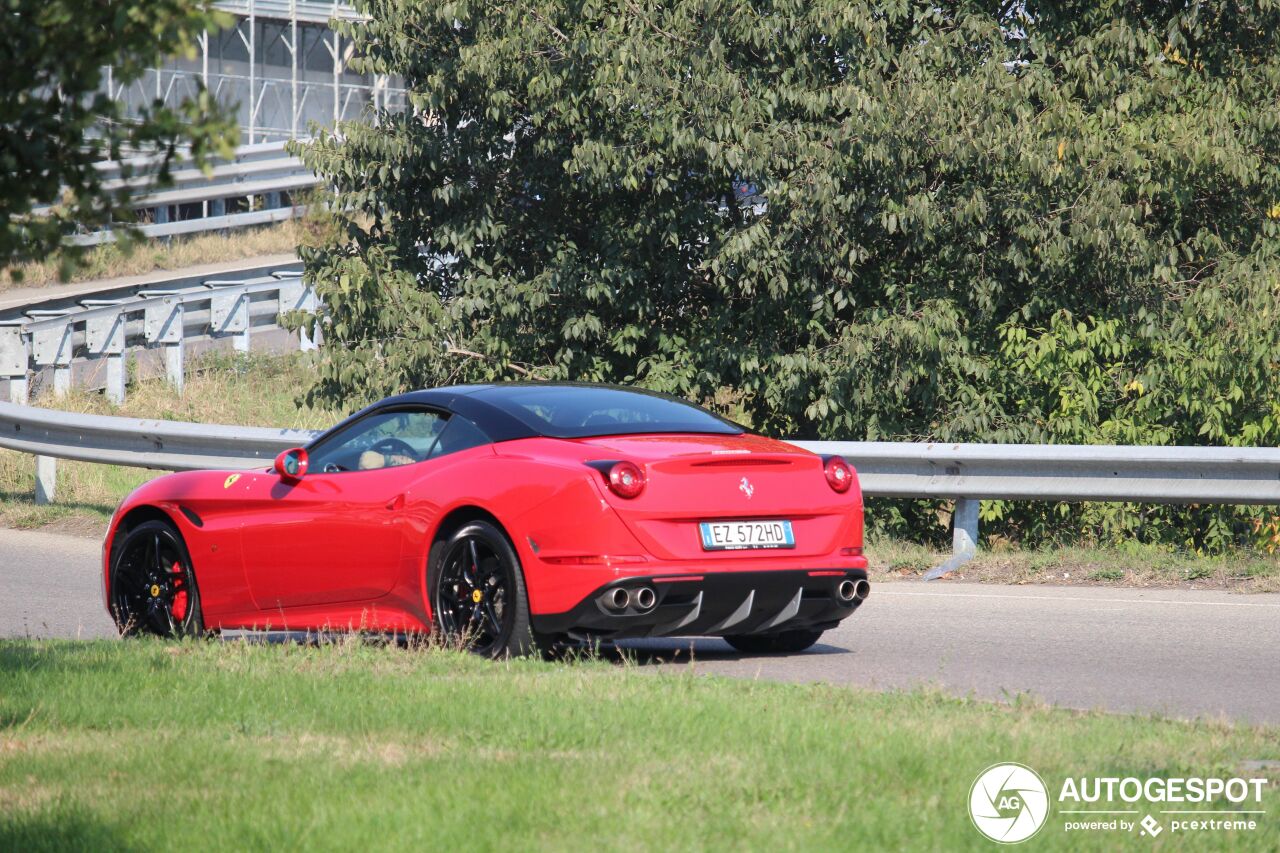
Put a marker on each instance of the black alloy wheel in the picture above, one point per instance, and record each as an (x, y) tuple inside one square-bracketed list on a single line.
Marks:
[(153, 586), (478, 594)]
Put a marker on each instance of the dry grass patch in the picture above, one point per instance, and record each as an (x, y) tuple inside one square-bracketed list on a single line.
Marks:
[(112, 260), (346, 751), (27, 796), (252, 390), (317, 227)]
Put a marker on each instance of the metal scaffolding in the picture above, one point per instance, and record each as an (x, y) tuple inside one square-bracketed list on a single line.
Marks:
[(280, 63)]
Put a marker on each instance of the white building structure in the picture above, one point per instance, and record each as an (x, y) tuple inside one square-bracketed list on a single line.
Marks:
[(280, 62)]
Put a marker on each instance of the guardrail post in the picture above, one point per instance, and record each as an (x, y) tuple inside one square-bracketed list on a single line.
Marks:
[(298, 295), (104, 336), (309, 303), (230, 315), (46, 479), (51, 347), (964, 537), (14, 358), (163, 324), (116, 378), (61, 379), (175, 370), (18, 390)]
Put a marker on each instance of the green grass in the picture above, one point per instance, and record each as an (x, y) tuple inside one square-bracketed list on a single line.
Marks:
[(143, 745)]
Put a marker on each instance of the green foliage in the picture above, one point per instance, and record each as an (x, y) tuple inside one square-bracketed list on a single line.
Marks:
[(56, 121), (988, 222)]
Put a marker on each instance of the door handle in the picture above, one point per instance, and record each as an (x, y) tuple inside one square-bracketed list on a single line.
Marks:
[(396, 503)]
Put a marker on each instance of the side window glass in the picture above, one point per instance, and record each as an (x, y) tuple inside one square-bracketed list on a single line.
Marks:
[(382, 440), (458, 434)]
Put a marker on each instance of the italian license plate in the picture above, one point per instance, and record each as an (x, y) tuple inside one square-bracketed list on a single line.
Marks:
[(739, 535)]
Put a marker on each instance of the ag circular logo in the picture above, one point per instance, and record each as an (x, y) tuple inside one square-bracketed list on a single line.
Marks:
[(1008, 803)]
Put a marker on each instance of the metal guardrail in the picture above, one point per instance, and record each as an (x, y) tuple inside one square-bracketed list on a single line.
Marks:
[(164, 445), (965, 473), (969, 473), (265, 171), (107, 327), (53, 337), (1063, 472)]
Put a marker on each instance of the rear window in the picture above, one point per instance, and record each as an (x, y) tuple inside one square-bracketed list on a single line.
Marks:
[(564, 411)]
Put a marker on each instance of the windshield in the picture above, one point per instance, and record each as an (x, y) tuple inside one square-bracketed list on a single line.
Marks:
[(569, 411)]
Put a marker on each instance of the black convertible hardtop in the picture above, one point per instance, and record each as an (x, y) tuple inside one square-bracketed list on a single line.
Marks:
[(511, 410)]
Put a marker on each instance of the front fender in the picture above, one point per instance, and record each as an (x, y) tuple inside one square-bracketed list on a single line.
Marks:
[(203, 506)]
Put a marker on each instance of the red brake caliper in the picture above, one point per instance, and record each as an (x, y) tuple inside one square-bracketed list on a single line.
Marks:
[(180, 592)]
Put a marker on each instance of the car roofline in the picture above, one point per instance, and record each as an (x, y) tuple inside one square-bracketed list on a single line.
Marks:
[(493, 420)]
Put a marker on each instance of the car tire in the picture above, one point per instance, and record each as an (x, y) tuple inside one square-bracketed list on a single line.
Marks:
[(451, 593), (783, 642), (153, 584)]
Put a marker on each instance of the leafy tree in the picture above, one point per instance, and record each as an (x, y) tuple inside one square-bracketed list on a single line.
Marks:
[(56, 121), (981, 221)]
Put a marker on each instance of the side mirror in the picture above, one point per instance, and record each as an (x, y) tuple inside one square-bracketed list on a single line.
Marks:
[(291, 464)]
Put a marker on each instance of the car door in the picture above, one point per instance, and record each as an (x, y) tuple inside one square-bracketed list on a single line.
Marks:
[(337, 534)]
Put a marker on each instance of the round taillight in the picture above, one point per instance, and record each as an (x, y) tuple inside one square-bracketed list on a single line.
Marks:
[(626, 479), (839, 474)]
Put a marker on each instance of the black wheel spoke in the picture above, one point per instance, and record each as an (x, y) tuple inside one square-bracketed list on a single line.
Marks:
[(129, 570), (474, 576), (495, 624)]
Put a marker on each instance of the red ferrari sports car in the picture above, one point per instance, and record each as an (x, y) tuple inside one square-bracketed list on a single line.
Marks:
[(504, 516)]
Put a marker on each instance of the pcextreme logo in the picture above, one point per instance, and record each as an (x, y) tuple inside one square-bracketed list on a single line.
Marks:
[(1008, 803)]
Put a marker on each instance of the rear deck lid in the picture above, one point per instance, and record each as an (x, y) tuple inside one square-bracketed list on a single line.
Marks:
[(692, 479)]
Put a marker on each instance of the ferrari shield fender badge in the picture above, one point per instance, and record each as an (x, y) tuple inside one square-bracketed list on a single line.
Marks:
[(746, 488), (230, 481)]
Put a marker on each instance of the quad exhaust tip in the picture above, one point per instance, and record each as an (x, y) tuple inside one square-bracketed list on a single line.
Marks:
[(850, 590), (620, 598)]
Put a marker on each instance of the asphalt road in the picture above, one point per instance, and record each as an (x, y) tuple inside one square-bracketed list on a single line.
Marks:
[(1183, 653)]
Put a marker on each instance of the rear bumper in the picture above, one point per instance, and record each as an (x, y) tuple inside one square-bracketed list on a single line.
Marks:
[(711, 604)]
